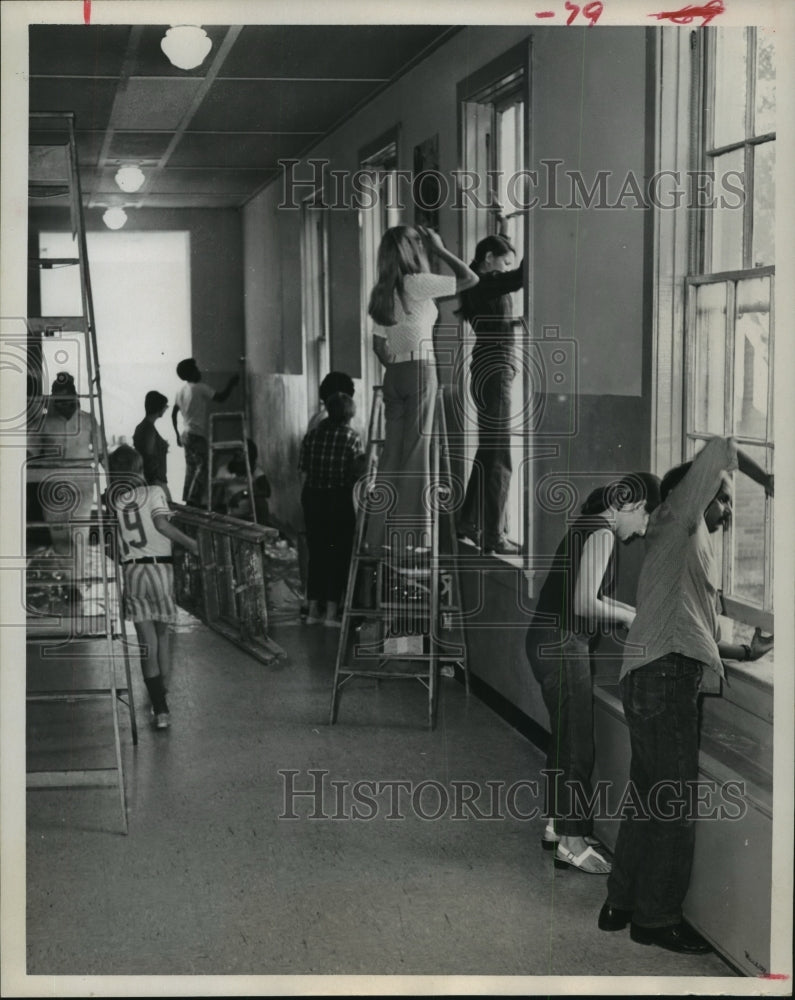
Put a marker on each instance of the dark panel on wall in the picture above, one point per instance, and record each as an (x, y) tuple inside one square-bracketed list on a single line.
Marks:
[(611, 437), (344, 292)]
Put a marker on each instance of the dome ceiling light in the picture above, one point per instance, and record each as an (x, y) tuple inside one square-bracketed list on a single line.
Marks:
[(114, 218), (186, 45)]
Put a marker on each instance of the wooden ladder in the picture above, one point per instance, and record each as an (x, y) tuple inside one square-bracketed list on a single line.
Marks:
[(401, 620)]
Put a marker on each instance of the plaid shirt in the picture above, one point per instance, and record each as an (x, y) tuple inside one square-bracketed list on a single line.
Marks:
[(327, 455)]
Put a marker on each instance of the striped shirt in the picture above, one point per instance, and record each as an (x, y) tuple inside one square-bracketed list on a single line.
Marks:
[(137, 531), (677, 603), (327, 455)]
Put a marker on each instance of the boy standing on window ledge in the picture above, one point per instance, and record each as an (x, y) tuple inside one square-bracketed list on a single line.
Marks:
[(672, 655)]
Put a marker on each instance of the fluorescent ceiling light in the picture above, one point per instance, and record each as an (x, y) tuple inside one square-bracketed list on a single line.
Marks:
[(186, 45)]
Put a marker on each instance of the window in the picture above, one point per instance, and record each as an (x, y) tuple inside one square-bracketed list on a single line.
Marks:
[(379, 166), (314, 297), (493, 107), (140, 283), (729, 298)]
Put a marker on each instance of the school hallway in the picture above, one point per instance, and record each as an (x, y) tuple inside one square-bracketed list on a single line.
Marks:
[(213, 879)]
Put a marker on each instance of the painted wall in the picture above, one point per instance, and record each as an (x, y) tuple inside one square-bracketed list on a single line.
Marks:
[(589, 112)]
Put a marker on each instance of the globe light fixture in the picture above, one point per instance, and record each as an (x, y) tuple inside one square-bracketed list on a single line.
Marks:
[(114, 218), (186, 45), (130, 178)]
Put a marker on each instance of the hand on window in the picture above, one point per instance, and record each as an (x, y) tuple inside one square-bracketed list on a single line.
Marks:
[(760, 644)]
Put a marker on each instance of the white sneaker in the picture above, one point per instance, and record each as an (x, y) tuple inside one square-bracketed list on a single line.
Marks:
[(162, 721)]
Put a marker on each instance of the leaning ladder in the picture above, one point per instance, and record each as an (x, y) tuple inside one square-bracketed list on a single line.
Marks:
[(228, 433), (414, 613), (54, 175)]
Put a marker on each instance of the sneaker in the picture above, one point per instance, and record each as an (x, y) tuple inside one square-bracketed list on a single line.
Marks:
[(332, 623), (162, 720), (502, 547), (311, 620)]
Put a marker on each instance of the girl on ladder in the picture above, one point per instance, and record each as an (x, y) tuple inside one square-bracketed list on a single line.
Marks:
[(403, 306)]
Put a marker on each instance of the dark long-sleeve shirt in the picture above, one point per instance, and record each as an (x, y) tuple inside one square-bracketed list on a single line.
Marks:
[(488, 308)]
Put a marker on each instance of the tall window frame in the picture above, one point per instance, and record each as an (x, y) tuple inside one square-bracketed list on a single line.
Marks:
[(378, 164), (730, 294), (314, 295), (494, 128)]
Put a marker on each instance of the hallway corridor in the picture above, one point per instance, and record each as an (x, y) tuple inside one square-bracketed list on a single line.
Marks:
[(210, 879)]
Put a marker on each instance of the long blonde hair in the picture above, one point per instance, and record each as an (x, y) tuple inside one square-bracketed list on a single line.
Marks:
[(400, 252)]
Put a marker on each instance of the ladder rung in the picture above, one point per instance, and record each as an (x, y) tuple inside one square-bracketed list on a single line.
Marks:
[(49, 262), (227, 444), (59, 324)]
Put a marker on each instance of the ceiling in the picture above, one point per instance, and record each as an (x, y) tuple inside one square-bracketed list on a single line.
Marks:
[(210, 137)]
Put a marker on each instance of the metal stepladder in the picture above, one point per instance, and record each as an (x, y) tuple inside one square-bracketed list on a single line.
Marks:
[(65, 636), (228, 433), (400, 620)]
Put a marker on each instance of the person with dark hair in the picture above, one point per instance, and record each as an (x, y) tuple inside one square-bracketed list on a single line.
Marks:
[(331, 383), (574, 607), (193, 401), (145, 537), (403, 307), (150, 445), (488, 308), (672, 655), (329, 460)]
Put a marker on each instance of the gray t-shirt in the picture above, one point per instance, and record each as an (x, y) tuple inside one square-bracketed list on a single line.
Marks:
[(677, 601)]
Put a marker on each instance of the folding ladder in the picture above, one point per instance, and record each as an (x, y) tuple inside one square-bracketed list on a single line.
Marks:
[(66, 640), (402, 620), (228, 432)]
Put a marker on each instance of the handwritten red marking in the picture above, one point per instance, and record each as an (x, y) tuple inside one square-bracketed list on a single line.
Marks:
[(545, 13), (86, 11), (686, 15), (774, 975)]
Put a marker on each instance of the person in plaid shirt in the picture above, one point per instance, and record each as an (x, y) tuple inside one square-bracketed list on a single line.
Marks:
[(330, 459)]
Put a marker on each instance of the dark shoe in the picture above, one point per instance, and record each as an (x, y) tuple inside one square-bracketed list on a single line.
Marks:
[(680, 937), (468, 531), (502, 547), (611, 918)]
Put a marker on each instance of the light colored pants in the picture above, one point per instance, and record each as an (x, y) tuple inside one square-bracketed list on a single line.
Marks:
[(404, 466)]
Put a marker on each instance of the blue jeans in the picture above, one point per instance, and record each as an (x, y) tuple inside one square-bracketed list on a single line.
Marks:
[(490, 479), (654, 855), (561, 664)]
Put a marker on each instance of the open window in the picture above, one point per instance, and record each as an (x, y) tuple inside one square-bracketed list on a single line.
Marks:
[(729, 319), (494, 124)]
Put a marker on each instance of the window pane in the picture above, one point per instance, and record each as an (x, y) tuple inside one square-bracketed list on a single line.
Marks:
[(731, 60), (764, 204), (751, 340), (710, 359), (748, 533), (727, 221), (765, 111)]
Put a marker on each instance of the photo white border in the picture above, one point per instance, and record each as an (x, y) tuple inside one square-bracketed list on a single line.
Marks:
[(16, 16)]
